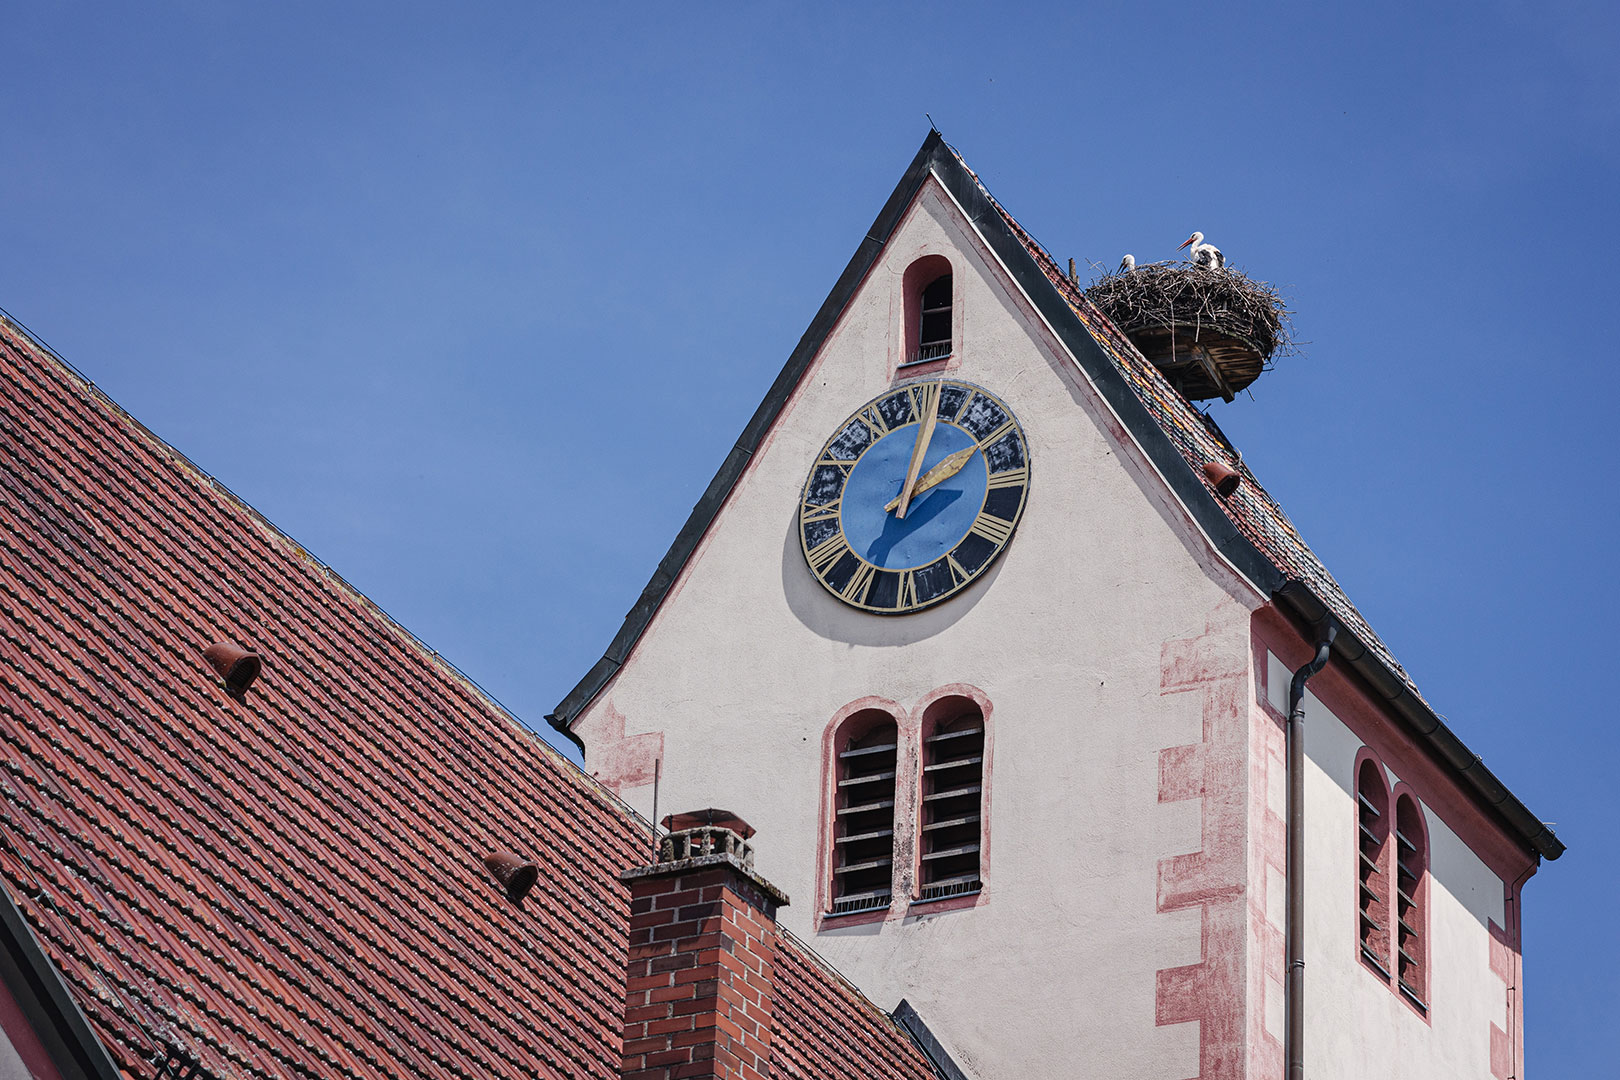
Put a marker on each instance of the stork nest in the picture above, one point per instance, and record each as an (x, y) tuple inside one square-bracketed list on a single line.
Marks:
[(1177, 296)]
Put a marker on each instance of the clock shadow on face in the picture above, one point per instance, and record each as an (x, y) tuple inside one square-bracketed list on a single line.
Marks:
[(921, 512), (823, 615)]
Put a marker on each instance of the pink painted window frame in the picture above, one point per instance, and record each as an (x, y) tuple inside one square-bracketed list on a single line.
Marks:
[(1403, 795), (923, 272), (848, 723), (905, 899), (1393, 798), (939, 707), (1368, 766)]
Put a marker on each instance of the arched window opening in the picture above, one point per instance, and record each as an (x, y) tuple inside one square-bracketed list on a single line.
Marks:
[(1372, 840), (926, 286), (863, 834), (1411, 863), (952, 801), (934, 330)]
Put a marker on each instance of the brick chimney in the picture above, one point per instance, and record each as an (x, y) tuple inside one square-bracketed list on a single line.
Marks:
[(702, 953)]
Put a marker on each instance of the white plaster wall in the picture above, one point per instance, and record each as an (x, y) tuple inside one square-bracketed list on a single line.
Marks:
[(749, 659), (1355, 1027)]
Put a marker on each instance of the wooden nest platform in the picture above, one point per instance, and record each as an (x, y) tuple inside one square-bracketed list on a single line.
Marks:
[(1212, 332)]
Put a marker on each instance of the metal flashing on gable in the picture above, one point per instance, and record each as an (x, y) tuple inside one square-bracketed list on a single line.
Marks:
[(46, 1004), (937, 1055), (931, 154)]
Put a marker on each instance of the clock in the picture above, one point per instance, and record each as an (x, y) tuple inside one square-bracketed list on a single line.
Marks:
[(914, 496)]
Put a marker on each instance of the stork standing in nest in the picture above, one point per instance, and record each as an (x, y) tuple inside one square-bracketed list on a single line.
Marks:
[(1207, 256), (1127, 264)]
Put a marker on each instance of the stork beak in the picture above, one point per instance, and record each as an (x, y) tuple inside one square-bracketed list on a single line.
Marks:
[(1184, 243)]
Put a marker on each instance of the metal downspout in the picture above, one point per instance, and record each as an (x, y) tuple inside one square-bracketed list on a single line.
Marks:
[(1294, 1042)]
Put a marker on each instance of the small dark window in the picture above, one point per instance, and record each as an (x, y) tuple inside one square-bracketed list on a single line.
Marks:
[(934, 332), (1411, 863), (1372, 867), (952, 797), (863, 836)]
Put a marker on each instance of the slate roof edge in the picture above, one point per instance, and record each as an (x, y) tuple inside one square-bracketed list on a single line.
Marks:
[(940, 1058), (280, 536), (46, 1002), (932, 154), (1394, 688)]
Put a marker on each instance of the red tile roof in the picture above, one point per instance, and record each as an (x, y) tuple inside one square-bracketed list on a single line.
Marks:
[(291, 884), (824, 1028)]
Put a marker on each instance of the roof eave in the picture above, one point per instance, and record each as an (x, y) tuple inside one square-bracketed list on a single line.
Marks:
[(1297, 597)]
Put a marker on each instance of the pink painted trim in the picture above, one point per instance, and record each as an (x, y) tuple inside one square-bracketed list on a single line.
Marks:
[(1507, 963), (924, 719), (923, 271), (835, 731), (1214, 879), (1403, 790), (24, 1039), (1371, 723), (619, 761)]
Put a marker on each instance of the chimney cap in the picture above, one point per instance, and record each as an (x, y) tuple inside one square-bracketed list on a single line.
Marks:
[(711, 817)]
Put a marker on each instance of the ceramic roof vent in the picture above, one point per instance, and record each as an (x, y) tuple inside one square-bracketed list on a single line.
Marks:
[(236, 665), (1222, 477), (515, 873)]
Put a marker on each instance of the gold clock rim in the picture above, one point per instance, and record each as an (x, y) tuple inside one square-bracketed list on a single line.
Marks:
[(1017, 519)]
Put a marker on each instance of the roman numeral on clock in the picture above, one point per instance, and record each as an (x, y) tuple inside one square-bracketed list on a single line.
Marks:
[(992, 528), (908, 589), (825, 554), (855, 591), (1010, 478), (820, 513), (998, 433)]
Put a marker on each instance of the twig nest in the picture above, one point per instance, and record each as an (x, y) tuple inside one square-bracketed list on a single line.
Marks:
[(1212, 332)]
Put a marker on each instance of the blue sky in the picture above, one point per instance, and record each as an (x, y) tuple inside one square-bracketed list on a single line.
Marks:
[(473, 300)]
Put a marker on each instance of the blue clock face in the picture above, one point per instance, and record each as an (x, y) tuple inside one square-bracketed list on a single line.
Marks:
[(888, 546)]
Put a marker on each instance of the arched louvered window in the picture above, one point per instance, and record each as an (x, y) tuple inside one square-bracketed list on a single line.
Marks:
[(863, 833), (1411, 872), (952, 805), (1372, 867), (934, 329), (929, 311)]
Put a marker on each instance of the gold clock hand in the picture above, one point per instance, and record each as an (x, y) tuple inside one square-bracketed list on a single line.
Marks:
[(938, 474), (925, 432)]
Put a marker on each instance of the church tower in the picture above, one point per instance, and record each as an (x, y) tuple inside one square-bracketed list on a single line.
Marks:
[(993, 635)]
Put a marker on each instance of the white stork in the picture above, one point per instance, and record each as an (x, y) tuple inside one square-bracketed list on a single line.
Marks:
[(1205, 255), (1127, 264)]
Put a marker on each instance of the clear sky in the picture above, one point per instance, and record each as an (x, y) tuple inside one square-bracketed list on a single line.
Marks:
[(473, 299)]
